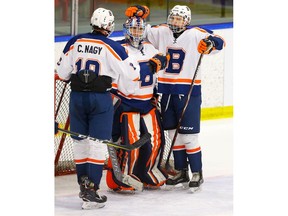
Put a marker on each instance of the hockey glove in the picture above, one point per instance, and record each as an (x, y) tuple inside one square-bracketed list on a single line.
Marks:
[(206, 46), (138, 11), (158, 62)]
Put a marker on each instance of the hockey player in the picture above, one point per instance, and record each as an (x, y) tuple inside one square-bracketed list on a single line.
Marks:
[(137, 115), (91, 61), (184, 45)]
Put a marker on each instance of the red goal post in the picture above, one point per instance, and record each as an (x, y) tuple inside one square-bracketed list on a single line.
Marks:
[(63, 145)]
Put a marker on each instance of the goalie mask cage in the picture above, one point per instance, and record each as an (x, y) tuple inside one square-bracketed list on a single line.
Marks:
[(63, 143)]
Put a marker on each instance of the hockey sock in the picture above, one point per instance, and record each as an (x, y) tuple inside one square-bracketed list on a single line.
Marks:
[(195, 161), (95, 173), (180, 159), (81, 171)]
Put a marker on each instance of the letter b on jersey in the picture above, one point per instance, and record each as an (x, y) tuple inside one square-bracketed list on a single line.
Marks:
[(177, 57)]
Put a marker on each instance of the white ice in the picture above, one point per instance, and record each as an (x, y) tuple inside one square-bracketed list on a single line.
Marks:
[(214, 199)]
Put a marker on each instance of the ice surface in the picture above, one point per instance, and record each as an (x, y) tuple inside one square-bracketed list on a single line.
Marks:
[(214, 199)]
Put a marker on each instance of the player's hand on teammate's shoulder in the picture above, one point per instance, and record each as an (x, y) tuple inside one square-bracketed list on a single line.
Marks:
[(138, 11)]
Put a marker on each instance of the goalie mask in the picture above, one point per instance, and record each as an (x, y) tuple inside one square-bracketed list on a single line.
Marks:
[(133, 29), (103, 19), (179, 18)]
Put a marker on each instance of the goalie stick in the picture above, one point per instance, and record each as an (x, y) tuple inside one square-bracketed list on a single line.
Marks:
[(126, 179), (143, 139)]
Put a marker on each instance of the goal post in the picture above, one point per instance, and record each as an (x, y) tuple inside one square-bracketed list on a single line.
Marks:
[(63, 149)]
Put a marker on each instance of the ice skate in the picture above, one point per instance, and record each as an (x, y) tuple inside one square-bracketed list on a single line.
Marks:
[(179, 180), (196, 181), (90, 196), (92, 199)]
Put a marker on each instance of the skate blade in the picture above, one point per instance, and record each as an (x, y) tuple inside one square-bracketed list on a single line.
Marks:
[(194, 189), (92, 205), (179, 186)]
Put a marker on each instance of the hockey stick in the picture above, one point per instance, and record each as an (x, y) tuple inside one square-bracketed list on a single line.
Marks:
[(167, 165), (143, 139)]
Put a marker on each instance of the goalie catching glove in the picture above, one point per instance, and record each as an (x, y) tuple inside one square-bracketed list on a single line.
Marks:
[(138, 11), (206, 46), (158, 62)]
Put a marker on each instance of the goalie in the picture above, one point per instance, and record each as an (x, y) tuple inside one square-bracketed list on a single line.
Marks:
[(136, 114)]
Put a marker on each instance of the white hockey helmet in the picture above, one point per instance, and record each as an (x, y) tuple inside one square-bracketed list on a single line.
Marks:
[(179, 18), (103, 19), (133, 30)]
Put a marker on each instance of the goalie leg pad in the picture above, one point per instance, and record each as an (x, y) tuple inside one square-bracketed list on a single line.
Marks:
[(130, 132), (130, 122), (150, 153)]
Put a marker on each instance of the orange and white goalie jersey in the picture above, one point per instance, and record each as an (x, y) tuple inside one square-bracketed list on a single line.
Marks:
[(177, 76), (142, 96)]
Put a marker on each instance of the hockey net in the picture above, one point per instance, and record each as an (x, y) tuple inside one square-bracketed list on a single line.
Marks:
[(63, 144)]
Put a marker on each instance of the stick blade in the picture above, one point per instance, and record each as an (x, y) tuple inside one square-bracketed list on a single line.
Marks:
[(143, 139)]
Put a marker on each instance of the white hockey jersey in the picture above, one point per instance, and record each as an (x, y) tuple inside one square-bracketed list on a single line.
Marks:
[(100, 54), (176, 78), (141, 98)]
